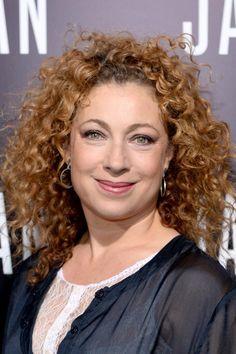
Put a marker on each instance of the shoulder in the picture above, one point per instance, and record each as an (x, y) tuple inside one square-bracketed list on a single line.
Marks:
[(22, 268), (20, 287), (203, 267), (21, 290), (197, 292), (200, 274)]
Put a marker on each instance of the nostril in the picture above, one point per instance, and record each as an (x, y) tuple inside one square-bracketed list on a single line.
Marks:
[(116, 161), (114, 171)]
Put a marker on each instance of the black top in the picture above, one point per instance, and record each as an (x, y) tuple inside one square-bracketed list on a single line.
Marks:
[(181, 301)]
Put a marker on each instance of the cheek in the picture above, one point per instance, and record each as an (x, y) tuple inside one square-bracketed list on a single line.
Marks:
[(151, 165), (84, 158)]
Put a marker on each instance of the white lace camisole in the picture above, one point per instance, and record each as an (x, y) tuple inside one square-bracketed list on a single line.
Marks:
[(66, 301)]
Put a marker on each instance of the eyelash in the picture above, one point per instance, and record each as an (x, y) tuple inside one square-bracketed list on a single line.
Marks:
[(88, 134), (149, 140)]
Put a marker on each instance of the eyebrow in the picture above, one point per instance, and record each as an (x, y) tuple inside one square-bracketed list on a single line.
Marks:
[(130, 128)]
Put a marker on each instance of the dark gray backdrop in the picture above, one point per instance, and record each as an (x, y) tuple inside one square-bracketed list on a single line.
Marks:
[(31, 30)]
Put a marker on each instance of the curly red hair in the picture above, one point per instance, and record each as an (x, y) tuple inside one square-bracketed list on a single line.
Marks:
[(198, 175)]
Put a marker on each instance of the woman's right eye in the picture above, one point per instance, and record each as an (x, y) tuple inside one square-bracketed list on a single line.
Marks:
[(93, 135)]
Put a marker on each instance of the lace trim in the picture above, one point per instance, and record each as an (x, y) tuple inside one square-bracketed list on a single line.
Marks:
[(64, 302), (127, 270)]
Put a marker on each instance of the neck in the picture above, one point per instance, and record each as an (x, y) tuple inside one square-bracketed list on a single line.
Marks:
[(105, 235)]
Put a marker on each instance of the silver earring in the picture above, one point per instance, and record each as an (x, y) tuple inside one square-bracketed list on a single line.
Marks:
[(163, 185), (65, 177)]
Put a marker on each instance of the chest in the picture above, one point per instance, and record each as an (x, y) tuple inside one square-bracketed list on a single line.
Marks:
[(114, 322)]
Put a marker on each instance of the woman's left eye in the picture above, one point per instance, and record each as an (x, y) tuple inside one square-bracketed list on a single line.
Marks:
[(143, 139)]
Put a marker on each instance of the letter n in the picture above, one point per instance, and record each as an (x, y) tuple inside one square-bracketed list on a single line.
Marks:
[(38, 17)]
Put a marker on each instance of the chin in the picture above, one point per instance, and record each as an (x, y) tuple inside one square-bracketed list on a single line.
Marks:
[(114, 216), (117, 213), (109, 212), (117, 210)]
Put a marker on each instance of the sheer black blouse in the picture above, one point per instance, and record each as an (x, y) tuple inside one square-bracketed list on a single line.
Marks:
[(181, 301)]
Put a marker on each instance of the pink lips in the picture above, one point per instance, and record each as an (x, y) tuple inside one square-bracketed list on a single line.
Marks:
[(115, 187)]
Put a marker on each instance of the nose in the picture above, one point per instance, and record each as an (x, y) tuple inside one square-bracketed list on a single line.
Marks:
[(116, 159)]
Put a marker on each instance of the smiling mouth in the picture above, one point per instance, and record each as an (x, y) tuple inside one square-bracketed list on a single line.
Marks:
[(115, 187)]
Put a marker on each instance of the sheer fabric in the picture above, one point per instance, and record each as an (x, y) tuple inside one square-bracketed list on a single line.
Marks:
[(63, 303), (181, 302)]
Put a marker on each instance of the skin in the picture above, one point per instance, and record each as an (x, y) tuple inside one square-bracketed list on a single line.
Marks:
[(119, 150)]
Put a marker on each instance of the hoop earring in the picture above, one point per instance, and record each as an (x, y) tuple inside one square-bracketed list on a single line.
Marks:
[(163, 185), (65, 176)]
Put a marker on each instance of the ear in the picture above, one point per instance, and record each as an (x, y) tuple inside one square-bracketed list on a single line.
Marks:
[(169, 156), (66, 155)]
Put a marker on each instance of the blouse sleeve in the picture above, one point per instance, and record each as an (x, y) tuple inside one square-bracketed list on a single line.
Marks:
[(220, 335)]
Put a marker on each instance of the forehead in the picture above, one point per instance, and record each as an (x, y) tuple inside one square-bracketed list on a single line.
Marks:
[(122, 103)]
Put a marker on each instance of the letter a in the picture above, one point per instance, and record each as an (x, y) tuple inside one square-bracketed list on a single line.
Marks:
[(227, 32)]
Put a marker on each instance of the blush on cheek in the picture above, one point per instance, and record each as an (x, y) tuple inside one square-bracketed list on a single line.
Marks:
[(152, 168)]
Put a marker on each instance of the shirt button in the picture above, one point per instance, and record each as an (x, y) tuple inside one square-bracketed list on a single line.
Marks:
[(74, 330), (24, 323), (99, 294)]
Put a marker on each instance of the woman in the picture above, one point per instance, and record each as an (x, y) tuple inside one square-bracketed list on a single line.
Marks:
[(120, 164)]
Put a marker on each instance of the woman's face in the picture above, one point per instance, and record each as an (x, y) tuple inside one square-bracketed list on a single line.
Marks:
[(118, 151)]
